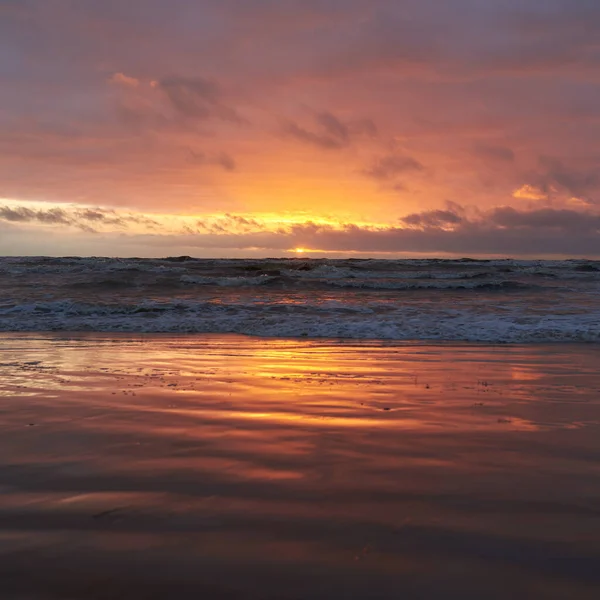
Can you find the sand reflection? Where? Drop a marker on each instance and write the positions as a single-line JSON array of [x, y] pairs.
[[212, 455]]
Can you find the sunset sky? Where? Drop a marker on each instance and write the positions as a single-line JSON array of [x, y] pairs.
[[340, 127]]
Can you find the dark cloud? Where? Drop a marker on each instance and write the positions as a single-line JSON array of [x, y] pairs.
[[229, 223], [19, 214], [93, 215], [198, 98], [111, 217], [23, 214], [578, 182], [141, 220], [569, 221], [388, 167], [53, 216], [330, 132], [333, 127], [79, 218], [99, 216], [456, 217], [433, 218], [496, 153], [316, 139], [222, 159], [226, 161]]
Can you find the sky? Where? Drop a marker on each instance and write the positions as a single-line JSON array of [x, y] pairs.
[[286, 127]]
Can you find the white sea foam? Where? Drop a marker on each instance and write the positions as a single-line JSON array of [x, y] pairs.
[[303, 320]]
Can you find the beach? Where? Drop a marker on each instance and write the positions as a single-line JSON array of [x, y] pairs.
[[228, 466], [299, 300]]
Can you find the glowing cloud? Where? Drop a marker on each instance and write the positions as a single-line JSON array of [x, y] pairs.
[[529, 192], [121, 79]]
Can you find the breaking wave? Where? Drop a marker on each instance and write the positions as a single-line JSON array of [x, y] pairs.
[[329, 320]]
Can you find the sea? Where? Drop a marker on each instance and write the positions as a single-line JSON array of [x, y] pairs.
[[496, 301]]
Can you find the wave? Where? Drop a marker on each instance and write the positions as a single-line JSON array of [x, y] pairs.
[[370, 283], [424, 299], [322, 320], [506, 285], [294, 268], [227, 281], [103, 284]]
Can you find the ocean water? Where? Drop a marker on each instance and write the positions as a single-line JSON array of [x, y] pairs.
[[496, 301]]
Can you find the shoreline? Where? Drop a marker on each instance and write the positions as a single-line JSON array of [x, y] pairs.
[[81, 334]]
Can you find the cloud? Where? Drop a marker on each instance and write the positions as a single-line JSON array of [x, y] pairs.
[[529, 192], [229, 224], [555, 179], [94, 215], [21, 214], [501, 231], [226, 161], [124, 80], [388, 167], [331, 132], [222, 159], [333, 127], [197, 98], [316, 139], [453, 230], [433, 218], [568, 221], [75, 217], [578, 182], [495, 153]]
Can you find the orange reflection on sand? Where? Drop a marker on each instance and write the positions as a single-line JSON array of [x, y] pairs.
[[282, 417], [207, 454]]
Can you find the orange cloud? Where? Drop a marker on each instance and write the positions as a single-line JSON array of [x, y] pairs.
[[529, 192]]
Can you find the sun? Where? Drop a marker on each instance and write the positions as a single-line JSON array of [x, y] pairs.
[[299, 250]]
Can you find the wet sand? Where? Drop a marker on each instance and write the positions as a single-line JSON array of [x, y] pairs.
[[231, 467]]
